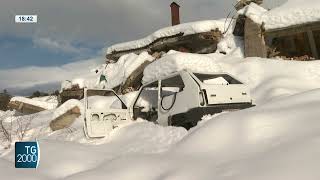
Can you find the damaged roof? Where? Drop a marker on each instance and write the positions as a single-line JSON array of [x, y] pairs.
[[291, 13], [184, 29]]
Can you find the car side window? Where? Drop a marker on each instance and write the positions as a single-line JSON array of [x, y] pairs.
[[169, 89], [171, 86], [146, 104], [148, 97]]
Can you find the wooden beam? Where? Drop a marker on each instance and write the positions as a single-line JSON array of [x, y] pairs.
[[312, 44], [24, 107], [291, 30], [254, 40]]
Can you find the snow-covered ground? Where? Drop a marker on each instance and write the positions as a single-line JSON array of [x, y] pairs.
[[277, 139], [48, 99]]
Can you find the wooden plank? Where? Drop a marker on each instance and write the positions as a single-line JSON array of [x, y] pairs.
[[24, 107], [291, 30], [312, 43]]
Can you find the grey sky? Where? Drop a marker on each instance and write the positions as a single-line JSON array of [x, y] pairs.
[[102, 21]]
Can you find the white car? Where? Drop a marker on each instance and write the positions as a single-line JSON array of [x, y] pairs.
[[180, 99]]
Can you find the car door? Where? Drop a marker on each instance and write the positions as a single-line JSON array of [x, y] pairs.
[[104, 112], [171, 98]]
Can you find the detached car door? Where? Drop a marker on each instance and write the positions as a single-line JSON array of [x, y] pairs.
[[104, 111]]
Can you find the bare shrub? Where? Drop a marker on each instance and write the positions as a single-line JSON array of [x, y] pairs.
[[14, 128], [23, 125], [6, 131]]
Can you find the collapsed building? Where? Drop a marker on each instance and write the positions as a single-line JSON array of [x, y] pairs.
[[198, 37], [287, 32], [290, 31], [194, 37]]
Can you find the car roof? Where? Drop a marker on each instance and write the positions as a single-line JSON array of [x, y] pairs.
[[190, 72]]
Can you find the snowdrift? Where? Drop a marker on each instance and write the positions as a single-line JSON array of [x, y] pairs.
[[118, 73], [264, 142], [176, 61]]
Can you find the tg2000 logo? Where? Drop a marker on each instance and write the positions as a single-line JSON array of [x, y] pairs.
[[27, 154]]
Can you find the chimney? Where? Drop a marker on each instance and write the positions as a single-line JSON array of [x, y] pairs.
[[175, 14]]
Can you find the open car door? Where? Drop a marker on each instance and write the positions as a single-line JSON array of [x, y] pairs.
[[104, 111]]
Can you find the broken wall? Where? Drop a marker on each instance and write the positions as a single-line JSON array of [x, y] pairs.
[[301, 42], [254, 40]]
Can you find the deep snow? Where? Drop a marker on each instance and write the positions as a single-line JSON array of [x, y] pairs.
[[118, 72], [277, 139]]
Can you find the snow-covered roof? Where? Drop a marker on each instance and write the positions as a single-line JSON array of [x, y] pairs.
[[186, 29], [293, 12], [254, 12]]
